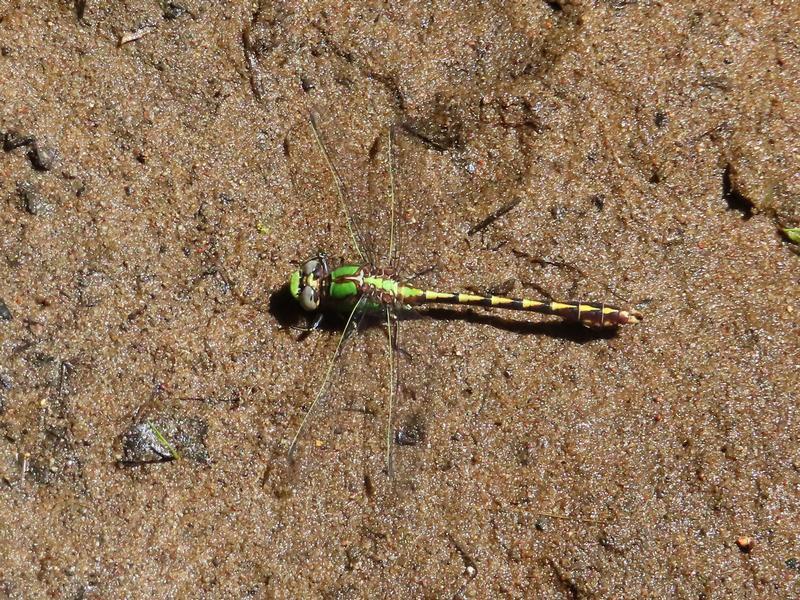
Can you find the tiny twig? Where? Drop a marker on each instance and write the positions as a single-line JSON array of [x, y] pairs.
[[494, 216]]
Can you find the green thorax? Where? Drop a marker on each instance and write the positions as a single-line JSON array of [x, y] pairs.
[[349, 282]]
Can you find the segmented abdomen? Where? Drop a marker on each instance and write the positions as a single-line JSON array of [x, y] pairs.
[[595, 316]]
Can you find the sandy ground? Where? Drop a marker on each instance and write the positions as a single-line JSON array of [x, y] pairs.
[[159, 181]]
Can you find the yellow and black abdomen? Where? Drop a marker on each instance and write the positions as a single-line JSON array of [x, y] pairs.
[[595, 316]]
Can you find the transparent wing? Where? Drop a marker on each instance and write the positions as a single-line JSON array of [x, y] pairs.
[[353, 223], [358, 171], [350, 170], [350, 329], [394, 252], [393, 333]]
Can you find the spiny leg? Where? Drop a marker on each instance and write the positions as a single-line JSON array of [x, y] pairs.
[[356, 236], [418, 274], [350, 327], [309, 328]]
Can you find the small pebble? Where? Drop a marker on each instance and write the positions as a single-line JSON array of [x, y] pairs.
[[42, 157], [13, 139], [599, 201], [149, 441], [5, 384], [409, 435], [5, 314], [173, 10], [745, 543], [30, 199], [542, 525]]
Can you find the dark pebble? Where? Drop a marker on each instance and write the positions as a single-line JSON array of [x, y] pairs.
[[42, 157], [173, 10], [141, 445], [599, 201], [410, 434], [13, 139], [30, 199], [656, 176], [558, 212], [5, 314], [39, 471], [5, 384], [186, 435]]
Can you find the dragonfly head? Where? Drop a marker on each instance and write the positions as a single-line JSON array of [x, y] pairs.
[[304, 284]]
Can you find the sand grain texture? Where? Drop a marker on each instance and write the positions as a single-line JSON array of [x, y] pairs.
[[158, 179]]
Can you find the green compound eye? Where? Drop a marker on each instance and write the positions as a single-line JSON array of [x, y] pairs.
[[294, 285]]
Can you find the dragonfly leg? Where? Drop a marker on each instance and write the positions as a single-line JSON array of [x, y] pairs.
[[398, 349], [420, 273], [314, 324]]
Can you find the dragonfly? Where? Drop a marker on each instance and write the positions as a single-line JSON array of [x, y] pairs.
[[372, 287]]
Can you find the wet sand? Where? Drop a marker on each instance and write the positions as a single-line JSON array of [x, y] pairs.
[[159, 181]]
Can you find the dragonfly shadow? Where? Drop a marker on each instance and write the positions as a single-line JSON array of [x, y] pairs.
[[289, 314], [573, 332], [284, 308]]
